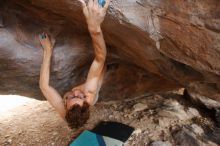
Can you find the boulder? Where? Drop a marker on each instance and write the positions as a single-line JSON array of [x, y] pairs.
[[203, 94], [153, 45], [193, 135], [159, 143]]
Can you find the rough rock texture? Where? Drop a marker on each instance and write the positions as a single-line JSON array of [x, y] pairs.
[[153, 45], [159, 143], [192, 135]]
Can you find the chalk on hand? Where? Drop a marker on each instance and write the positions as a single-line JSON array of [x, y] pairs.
[[101, 3]]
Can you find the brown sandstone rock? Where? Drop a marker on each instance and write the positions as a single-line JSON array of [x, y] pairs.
[[153, 45]]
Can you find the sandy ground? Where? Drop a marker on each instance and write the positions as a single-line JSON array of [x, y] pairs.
[[155, 118]]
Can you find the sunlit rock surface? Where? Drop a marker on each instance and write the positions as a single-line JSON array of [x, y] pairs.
[[153, 46]]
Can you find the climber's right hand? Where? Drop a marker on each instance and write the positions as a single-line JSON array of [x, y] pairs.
[[94, 14], [45, 42]]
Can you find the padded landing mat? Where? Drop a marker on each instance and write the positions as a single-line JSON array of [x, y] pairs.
[[114, 130], [88, 138]]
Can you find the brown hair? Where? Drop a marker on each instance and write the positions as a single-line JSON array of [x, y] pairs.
[[77, 115]]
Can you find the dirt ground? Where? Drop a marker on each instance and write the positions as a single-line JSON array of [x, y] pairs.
[[166, 119]]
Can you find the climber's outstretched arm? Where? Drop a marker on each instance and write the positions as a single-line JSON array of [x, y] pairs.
[[49, 92], [95, 14]]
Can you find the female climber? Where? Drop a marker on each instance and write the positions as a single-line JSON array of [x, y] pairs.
[[74, 107]]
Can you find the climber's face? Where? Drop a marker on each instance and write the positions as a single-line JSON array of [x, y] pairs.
[[74, 97]]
